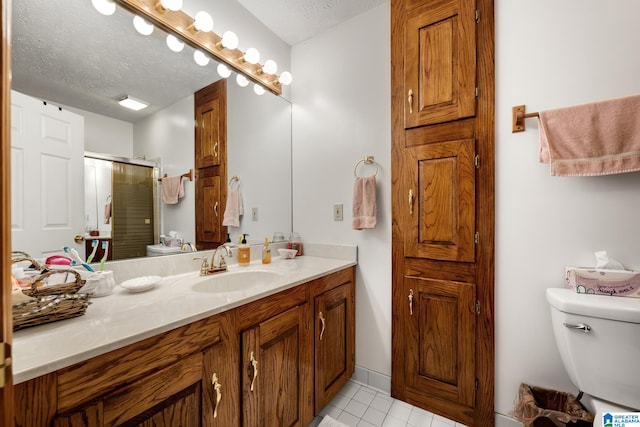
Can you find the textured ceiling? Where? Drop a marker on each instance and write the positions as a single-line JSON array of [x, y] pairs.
[[66, 52], [297, 20]]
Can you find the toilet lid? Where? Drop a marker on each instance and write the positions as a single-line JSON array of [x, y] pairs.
[[162, 249]]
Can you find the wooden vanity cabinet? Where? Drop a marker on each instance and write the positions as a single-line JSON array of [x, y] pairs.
[[256, 365]]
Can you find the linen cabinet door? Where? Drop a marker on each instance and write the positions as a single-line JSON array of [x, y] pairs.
[[208, 212], [334, 341], [440, 186], [273, 387], [439, 334], [211, 125], [440, 62]]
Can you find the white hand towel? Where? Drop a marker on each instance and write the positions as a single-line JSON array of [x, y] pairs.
[[364, 203], [234, 208]]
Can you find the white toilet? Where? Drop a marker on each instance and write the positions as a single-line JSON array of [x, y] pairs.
[[158, 250], [599, 341]]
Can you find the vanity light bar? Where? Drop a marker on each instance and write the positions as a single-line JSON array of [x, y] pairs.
[[179, 23]]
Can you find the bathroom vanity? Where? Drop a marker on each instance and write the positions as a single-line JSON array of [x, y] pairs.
[[196, 353]]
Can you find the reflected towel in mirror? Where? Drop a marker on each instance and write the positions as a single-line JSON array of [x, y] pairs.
[[234, 208], [172, 189]]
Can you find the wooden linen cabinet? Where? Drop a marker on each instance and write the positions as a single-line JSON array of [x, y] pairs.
[[442, 207]]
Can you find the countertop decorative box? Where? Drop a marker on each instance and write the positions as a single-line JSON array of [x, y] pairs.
[[619, 283]]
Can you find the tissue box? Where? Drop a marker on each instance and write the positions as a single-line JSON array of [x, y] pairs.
[[604, 282]]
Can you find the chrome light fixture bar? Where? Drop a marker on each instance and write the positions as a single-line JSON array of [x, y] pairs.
[[180, 25]]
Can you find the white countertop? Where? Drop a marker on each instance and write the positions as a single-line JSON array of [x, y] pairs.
[[123, 318]]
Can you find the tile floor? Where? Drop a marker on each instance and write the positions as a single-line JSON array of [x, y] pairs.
[[358, 405]]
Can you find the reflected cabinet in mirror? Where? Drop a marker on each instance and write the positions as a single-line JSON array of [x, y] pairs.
[[66, 80]]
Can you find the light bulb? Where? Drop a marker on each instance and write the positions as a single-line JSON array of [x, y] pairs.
[[229, 40], [173, 5], [285, 78], [200, 58], [203, 21], [259, 90], [174, 43], [142, 26], [270, 66], [242, 80], [252, 56], [105, 7], [223, 71]]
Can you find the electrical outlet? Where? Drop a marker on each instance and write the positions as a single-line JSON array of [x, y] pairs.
[[254, 214], [337, 212]]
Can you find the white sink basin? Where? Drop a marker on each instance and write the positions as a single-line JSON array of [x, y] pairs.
[[235, 281]]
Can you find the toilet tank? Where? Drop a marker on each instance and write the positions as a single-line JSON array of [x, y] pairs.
[[599, 341]]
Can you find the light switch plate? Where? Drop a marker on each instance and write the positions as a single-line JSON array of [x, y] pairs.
[[337, 212], [254, 214]]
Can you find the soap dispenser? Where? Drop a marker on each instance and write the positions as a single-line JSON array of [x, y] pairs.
[[266, 251], [244, 251]]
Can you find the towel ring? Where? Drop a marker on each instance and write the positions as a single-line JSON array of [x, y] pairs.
[[368, 160], [235, 178]]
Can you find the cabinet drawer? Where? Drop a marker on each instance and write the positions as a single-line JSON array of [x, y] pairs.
[[97, 376]]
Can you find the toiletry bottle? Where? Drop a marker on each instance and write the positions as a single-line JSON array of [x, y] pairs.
[[244, 251], [295, 242], [266, 252]]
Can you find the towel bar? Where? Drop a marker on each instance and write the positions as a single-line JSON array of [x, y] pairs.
[[184, 175], [517, 118]]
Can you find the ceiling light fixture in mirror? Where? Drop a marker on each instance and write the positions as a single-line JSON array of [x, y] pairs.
[[197, 33]]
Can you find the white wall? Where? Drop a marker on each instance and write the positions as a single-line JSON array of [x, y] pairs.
[[551, 54], [168, 134], [103, 134], [341, 102]]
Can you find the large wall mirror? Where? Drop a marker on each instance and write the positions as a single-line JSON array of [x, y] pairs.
[[68, 54]]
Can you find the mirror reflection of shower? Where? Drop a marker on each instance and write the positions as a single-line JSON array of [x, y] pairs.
[[121, 203]]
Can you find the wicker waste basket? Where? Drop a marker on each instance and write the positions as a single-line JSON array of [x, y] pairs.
[[539, 407]]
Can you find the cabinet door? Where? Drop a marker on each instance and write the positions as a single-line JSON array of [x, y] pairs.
[[334, 342], [439, 341], [440, 181], [440, 63], [208, 211], [220, 378], [210, 136], [273, 389]]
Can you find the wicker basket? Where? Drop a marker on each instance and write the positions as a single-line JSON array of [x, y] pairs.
[[50, 308], [51, 302]]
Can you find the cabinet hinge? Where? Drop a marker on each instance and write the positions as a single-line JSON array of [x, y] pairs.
[[476, 238], [309, 399], [477, 92], [477, 16], [477, 307], [477, 384], [195, 123], [476, 161], [5, 363]]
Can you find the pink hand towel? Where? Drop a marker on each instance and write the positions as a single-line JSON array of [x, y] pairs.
[[172, 189], [599, 138], [364, 203]]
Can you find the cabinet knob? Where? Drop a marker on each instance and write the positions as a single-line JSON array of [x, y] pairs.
[[322, 320], [410, 99], [411, 202], [254, 367], [217, 387], [411, 302]]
